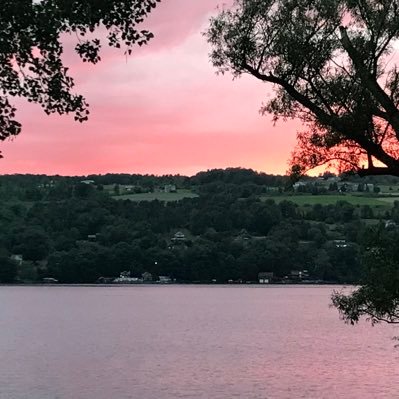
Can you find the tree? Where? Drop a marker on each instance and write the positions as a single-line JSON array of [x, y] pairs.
[[31, 49], [8, 270], [328, 64], [331, 64], [378, 297], [34, 244]]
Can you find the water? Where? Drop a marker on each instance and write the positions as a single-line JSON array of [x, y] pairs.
[[210, 342]]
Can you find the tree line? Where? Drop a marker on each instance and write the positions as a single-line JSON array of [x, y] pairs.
[[77, 233]]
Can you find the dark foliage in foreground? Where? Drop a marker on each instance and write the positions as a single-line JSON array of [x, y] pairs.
[[32, 38], [332, 64], [378, 297]]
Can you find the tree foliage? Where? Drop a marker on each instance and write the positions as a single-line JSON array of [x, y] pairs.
[[31, 48], [230, 232], [378, 297], [332, 65], [8, 270]]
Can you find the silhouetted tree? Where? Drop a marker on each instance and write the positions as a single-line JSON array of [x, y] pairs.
[[327, 61], [378, 297], [8, 270], [31, 49], [34, 244]]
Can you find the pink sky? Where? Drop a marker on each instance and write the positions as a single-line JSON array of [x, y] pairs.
[[162, 110]]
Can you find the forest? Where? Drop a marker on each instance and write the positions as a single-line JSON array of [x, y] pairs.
[[223, 226]]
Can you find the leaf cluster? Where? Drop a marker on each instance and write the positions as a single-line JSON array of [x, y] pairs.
[[31, 49], [378, 297], [331, 66]]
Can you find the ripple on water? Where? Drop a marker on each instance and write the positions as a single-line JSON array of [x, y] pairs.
[[188, 342]]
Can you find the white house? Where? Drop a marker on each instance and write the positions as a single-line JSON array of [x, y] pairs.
[[17, 258]]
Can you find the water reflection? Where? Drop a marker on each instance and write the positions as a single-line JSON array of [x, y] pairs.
[[188, 342]]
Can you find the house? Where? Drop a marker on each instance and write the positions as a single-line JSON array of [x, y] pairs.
[[244, 235], [17, 258], [169, 188], [50, 280], [87, 181], [146, 276], [298, 274], [340, 243], [124, 278], [128, 187], [165, 279], [265, 277], [179, 236]]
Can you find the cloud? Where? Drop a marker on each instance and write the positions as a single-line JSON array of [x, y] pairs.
[[163, 110]]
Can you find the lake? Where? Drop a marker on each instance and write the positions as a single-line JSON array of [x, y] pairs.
[[210, 342]]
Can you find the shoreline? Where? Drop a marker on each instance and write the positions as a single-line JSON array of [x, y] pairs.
[[257, 285]]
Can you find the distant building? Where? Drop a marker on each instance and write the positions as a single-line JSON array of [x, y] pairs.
[[169, 188], [179, 236], [165, 279], [128, 187], [244, 235], [298, 274], [17, 258], [146, 276], [50, 280], [87, 181], [124, 278], [340, 243], [45, 185], [265, 277]]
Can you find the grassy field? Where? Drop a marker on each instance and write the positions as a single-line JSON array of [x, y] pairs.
[[389, 189], [179, 195], [331, 199], [389, 200]]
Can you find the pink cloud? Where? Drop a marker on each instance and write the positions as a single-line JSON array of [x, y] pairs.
[[163, 110]]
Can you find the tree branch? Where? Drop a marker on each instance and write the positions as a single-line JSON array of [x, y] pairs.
[[378, 171], [332, 121], [370, 81]]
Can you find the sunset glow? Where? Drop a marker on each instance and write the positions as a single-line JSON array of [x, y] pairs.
[[163, 110]]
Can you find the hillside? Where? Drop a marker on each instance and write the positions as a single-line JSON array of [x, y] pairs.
[[217, 226]]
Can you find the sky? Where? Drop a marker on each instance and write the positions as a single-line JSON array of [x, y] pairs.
[[163, 110]]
